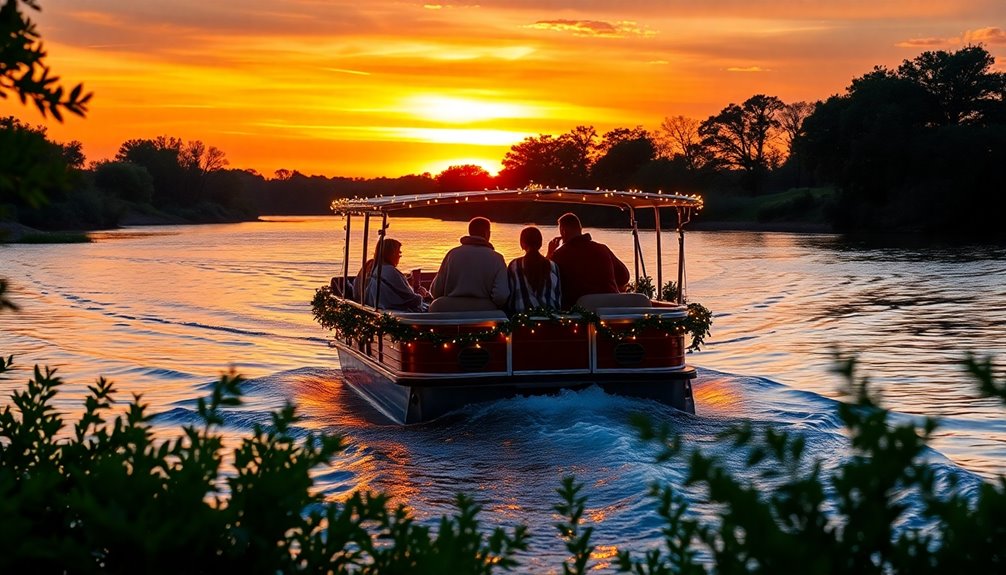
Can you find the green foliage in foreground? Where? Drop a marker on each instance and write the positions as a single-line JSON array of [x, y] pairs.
[[110, 499], [105, 497]]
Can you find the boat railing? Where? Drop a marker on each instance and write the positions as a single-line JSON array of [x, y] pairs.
[[461, 344]]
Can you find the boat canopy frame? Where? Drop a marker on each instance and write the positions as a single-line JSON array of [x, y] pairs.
[[630, 201]]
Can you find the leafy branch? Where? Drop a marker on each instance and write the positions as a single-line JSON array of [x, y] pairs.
[[22, 65]]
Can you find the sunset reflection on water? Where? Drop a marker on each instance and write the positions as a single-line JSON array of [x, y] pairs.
[[164, 313]]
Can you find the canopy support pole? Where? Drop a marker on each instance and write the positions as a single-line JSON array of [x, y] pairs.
[[684, 217], [379, 257], [362, 290], [660, 258], [635, 242], [345, 257]]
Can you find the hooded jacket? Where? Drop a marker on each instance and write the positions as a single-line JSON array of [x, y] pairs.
[[473, 269]]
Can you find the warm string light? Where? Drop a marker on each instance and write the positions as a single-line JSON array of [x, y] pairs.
[[363, 326]]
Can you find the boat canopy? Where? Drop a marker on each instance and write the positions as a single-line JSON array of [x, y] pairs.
[[627, 199]]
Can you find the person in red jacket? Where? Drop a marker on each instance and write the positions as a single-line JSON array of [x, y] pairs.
[[585, 266]]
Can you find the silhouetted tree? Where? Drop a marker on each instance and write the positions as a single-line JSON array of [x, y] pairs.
[[679, 136], [962, 84], [542, 160], [180, 170], [464, 177], [161, 157], [623, 152], [124, 180], [32, 167], [791, 118], [740, 136], [199, 161], [579, 149], [921, 147]]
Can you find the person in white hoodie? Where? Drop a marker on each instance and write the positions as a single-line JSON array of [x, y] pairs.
[[474, 269]]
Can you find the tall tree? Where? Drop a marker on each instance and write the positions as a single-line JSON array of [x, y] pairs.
[[791, 118], [463, 177], [199, 161], [741, 135], [623, 152], [909, 148], [32, 168], [578, 149], [963, 85], [679, 138], [162, 157]]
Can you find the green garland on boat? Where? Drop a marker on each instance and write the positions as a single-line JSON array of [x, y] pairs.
[[363, 325]]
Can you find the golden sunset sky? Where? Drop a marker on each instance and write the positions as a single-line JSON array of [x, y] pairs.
[[386, 88]]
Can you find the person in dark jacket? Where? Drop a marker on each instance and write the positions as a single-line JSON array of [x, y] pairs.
[[585, 266]]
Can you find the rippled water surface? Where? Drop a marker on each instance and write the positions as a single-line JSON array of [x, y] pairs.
[[162, 311]]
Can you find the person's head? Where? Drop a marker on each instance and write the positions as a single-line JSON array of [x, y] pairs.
[[569, 226], [391, 251], [530, 239], [479, 227]]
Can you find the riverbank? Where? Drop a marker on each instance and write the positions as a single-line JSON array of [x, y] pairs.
[[786, 227], [15, 233]]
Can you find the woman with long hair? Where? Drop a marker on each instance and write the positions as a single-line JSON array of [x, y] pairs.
[[534, 279], [396, 293]]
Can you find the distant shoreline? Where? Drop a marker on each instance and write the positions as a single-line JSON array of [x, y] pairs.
[[786, 227]]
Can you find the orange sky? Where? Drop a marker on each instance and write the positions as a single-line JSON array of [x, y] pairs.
[[374, 87]]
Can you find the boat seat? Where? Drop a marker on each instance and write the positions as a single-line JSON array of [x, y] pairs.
[[592, 302], [336, 288], [447, 303], [445, 316]]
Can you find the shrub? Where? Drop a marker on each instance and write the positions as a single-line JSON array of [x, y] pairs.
[[109, 499]]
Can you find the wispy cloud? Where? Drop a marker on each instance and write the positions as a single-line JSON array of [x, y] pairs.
[[345, 71], [593, 28], [926, 42], [748, 69], [991, 35]]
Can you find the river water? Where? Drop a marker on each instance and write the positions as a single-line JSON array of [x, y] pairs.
[[163, 311]]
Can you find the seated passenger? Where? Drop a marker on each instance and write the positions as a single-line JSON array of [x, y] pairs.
[[360, 282], [473, 269], [534, 280], [585, 266], [396, 293]]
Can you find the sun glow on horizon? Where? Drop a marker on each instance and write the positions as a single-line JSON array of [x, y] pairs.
[[384, 88], [457, 110]]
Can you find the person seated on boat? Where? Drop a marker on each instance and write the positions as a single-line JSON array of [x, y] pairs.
[[474, 269], [360, 281], [533, 278], [396, 293], [585, 266]]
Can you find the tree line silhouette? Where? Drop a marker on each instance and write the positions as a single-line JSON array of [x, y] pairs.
[[916, 148]]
